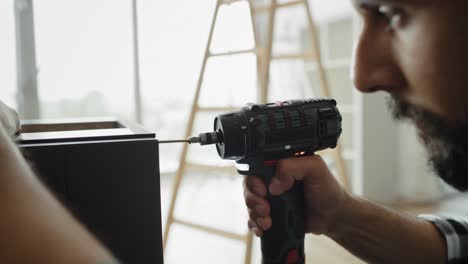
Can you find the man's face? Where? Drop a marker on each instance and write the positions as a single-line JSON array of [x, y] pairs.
[[417, 50]]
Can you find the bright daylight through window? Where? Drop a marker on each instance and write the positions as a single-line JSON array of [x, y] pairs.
[[7, 54]]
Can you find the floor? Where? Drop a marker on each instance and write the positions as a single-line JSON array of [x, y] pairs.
[[215, 199]]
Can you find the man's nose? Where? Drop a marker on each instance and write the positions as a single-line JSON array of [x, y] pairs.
[[375, 64]]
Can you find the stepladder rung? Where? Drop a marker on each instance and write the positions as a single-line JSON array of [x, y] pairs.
[[211, 230], [232, 53], [268, 8], [228, 2], [299, 56], [217, 109]]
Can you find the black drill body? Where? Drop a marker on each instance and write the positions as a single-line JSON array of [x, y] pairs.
[[256, 137]]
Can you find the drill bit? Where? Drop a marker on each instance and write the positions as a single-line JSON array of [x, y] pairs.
[[189, 140], [203, 139]]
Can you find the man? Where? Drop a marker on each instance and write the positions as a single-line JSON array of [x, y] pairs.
[[417, 51], [34, 227]]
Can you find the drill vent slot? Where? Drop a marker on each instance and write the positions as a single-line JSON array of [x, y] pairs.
[[279, 120], [295, 119], [310, 116], [323, 129]]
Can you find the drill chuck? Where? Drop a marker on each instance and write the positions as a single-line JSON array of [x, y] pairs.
[[203, 139], [210, 138]]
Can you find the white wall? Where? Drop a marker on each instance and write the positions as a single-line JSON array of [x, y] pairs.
[[329, 9], [376, 137]]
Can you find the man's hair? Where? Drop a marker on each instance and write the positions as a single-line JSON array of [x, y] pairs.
[[447, 144]]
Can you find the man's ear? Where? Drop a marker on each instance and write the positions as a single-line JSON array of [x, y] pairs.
[[9, 119]]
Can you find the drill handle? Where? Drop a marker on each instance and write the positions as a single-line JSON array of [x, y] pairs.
[[284, 241]]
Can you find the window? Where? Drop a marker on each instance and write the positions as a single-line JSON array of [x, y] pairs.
[[84, 57], [7, 54]]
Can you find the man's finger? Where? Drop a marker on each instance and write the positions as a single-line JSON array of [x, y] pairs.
[[255, 185], [255, 202], [290, 170], [254, 228], [259, 211], [282, 181], [264, 222], [252, 214]]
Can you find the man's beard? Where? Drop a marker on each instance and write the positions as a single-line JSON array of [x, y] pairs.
[[447, 145]]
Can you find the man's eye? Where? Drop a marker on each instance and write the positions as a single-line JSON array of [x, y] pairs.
[[392, 14]]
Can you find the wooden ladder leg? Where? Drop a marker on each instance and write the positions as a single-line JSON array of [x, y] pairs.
[[248, 248], [258, 49], [337, 152], [188, 132], [264, 56], [249, 235], [267, 56]]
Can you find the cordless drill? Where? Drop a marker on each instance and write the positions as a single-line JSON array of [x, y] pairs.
[[257, 137]]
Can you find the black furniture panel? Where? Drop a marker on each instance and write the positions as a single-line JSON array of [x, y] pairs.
[[110, 183]]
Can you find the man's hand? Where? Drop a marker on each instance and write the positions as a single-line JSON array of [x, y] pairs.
[[324, 197], [369, 231], [9, 119]]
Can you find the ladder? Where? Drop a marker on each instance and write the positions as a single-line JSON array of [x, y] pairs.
[[264, 57]]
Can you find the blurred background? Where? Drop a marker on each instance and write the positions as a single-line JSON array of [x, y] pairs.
[[140, 61]]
